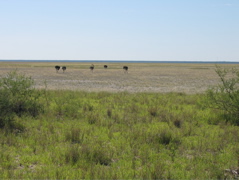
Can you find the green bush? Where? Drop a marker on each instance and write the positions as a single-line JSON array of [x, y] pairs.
[[225, 96], [18, 97]]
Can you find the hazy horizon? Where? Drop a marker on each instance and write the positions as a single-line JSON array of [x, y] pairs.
[[119, 30]]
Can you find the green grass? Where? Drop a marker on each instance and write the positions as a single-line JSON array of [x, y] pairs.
[[83, 135]]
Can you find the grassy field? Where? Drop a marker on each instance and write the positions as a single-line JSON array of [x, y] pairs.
[[165, 130]]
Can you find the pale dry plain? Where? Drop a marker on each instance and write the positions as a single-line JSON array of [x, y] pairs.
[[141, 77]]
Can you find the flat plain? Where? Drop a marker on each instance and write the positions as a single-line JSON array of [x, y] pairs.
[[88, 134], [188, 78]]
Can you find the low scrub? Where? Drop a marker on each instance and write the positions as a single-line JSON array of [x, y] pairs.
[[18, 97]]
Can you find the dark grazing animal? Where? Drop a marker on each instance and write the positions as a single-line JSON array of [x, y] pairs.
[[63, 68], [125, 68], [105, 66], [92, 67], [57, 68]]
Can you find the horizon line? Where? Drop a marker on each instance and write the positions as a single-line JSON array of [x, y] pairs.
[[115, 60], [129, 61]]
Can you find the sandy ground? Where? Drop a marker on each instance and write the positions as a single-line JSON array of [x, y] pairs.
[[141, 77]]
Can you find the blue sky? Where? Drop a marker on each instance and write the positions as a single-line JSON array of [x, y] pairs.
[[184, 30]]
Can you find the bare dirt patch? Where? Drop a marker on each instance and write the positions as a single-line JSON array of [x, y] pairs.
[[141, 77]]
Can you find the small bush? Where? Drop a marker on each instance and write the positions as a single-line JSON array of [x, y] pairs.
[[17, 97], [225, 96]]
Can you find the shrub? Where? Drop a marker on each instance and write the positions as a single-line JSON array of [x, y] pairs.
[[17, 97], [225, 96]]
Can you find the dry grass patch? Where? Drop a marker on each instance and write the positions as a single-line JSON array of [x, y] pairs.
[[141, 77]]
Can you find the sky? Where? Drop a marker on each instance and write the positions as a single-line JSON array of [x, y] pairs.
[[161, 30]]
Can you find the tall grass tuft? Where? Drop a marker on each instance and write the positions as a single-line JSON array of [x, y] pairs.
[[177, 123], [153, 111], [165, 137], [75, 135], [109, 113], [96, 155], [72, 154]]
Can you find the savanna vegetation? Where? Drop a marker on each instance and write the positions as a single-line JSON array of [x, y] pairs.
[[63, 134]]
